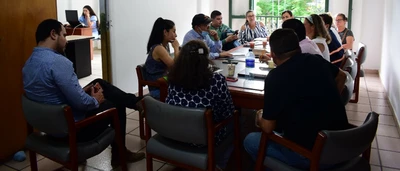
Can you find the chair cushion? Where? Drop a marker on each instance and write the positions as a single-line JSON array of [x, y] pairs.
[[357, 163], [59, 150], [184, 153]]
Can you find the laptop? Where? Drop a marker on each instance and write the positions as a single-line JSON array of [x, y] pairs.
[[72, 18]]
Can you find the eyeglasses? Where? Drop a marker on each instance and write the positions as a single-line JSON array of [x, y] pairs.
[[338, 20]]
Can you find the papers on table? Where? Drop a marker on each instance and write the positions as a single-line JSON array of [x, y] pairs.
[[260, 39]]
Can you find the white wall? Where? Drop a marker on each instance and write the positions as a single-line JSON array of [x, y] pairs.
[[132, 22], [63, 5], [389, 68]]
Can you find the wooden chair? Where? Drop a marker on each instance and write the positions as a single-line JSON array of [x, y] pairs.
[[142, 82], [361, 56], [340, 80], [348, 89], [341, 149], [163, 83], [58, 120], [177, 126]]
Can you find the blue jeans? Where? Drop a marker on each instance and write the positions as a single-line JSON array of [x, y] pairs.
[[252, 142], [155, 94]]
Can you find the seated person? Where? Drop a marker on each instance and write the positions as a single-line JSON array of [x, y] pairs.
[[90, 19], [336, 51], [192, 84], [306, 45], [315, 30], [48, 77], [200, 31], [346, 35], [252, 29], [286, 15], [158, 58], [228, 41], [297, 112]]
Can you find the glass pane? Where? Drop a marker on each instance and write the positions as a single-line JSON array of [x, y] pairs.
[[237, 23], [299, 8], [240, 7]]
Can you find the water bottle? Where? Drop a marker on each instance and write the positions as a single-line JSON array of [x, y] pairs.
[[250, 64]]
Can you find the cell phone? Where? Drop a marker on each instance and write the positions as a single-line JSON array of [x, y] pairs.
[[231, 79], [236, 32]]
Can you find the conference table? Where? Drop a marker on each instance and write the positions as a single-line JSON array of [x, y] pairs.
[[247, 94]]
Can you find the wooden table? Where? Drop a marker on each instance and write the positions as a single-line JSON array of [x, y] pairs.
[[82, 32]]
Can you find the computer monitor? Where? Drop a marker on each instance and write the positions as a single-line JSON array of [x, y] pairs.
[[72, 17]]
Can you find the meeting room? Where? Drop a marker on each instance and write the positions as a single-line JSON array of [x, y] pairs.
[[182, 85]]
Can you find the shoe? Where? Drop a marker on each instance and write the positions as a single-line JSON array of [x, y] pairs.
[[131, 157]]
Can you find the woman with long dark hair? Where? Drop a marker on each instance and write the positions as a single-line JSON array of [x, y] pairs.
[[158, 58], [90, 19], [316, 31]]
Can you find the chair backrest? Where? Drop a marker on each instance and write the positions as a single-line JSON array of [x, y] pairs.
[[348, 89], [175, 122], [44, 117], [361, 53], [142, 80], [351, 67], [345, 145], [163, 83]]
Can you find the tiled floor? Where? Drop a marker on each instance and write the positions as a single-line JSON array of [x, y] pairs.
[[385, 154]]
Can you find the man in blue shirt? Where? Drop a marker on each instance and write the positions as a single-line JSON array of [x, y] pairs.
[[48, 77], [200, 31]]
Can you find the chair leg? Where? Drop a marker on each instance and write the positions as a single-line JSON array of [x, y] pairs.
[[33, 160], [122, 154], [141, 126], [237, 141], [149, 162], [74, 165]]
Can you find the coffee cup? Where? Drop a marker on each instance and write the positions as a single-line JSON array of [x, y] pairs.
[[271, 64], [231, 70], [252, 45]]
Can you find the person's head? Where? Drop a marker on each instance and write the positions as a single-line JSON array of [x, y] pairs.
[[87, 9], [191, 68], [297, 27], [200, 22], [287, 15], [315, 27], [250, 17], [284, 44], [163, 31], [51, 33], [341, 20], [327, 20], [216, 17]]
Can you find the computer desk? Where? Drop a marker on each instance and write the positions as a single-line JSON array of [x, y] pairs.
[[85, 31], [77, 51]]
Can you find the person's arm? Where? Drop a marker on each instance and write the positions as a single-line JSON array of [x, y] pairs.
[[66, 79], [161, 53], [215, 47], [243, 34], [82, 19], [176, 47], [349, 42]]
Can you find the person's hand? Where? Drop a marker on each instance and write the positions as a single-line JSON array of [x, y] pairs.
[[214, 34], [97, 93], [87, 88], [225, 54], [87, 15], [265, 57], [175, 44], [258, 117], [231, 38]]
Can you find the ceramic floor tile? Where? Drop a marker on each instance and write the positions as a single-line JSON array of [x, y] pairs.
[[134, 115], [141, 165], [379, 102], [23, 164], [358, 107], [376, 89], [81, 168], [129, 111], [389, 169], [390, 159], [134, 143], [102, 161], [136, 132], [388, 143], [375, 157], [356, 123], [45, 165], [389, 131], [168, 167], [363, 94], [386, 120], [363, 100], [374, 143], [6, 168], [377, 95], [131, 125], [356, 116], [375, 168], [383, 110]]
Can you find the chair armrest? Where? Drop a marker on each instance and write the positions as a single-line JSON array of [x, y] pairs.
[[340, 80], [163, 84], [109, 113], [225, 121]]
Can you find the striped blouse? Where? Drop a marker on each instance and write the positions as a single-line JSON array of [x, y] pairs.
[[248, 34]]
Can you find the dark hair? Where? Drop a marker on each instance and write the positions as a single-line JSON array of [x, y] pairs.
[[283, 42], [249, 11], [343, 16], [215, 13], [191, 68], [297, 27], [327, 19], [320, 29], [157, 33], [289, 12], [91, 12], [45, 27]]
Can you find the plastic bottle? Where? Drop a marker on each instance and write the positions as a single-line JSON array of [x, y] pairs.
[[250, 64]]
